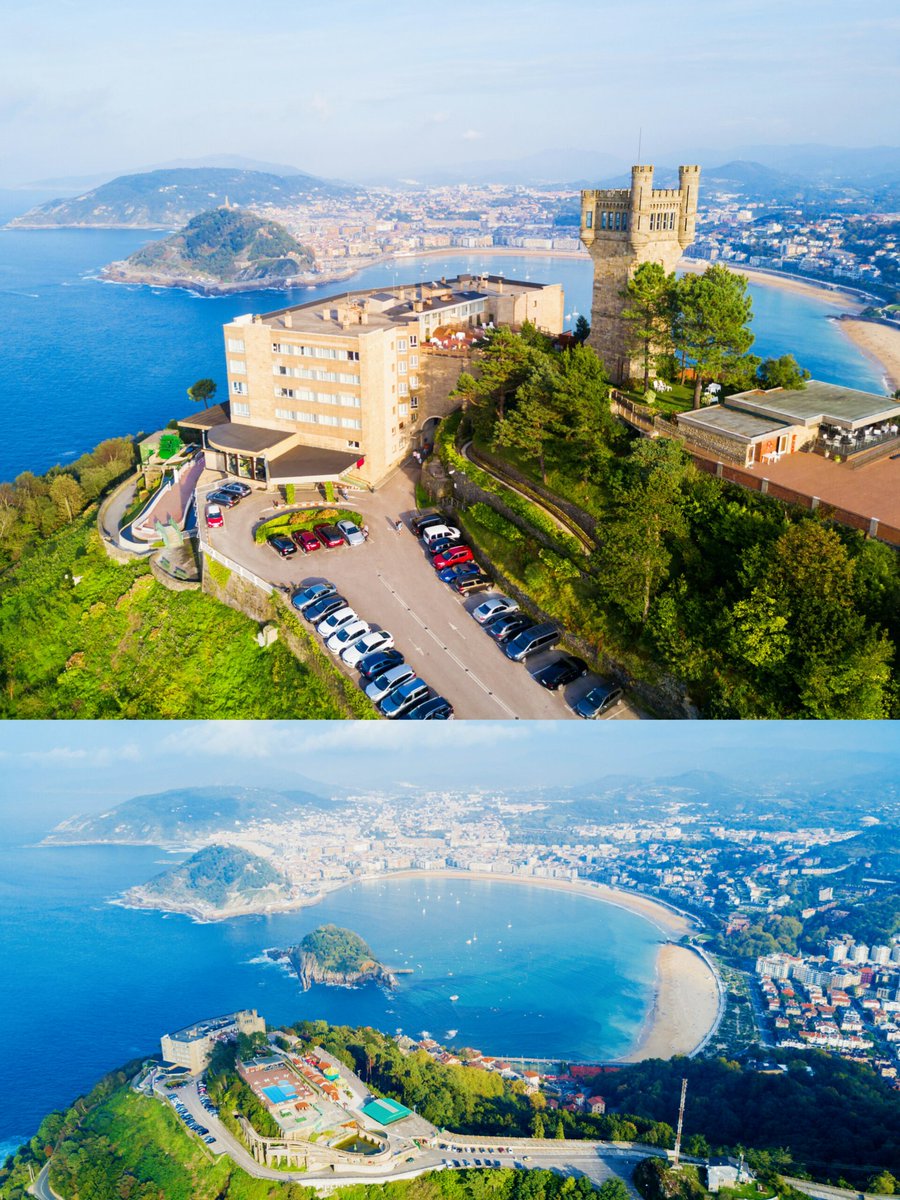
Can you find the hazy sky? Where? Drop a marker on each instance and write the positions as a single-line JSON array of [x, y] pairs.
[[359, 86], [50, 770]]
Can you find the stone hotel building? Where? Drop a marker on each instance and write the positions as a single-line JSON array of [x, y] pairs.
[[341, 388]]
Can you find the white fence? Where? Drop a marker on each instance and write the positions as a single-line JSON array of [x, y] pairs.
[[234, 567]]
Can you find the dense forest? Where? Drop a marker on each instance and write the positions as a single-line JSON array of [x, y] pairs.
[[337, 949], [761, 609]]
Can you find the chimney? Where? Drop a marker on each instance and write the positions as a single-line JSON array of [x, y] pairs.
[[288, 320]]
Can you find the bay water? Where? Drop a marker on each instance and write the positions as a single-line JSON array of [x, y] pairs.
[[83, 360], [86, 985]]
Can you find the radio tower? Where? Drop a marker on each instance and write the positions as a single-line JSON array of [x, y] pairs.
[[680, 1124]]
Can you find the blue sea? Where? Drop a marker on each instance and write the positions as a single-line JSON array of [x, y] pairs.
[[86, 985], [83, 360]]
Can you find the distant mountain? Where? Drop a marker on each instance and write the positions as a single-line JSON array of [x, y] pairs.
[[552, 166], [70, 185], [225, 249], [217, 882], [168, 199], [182, 816], [831, 164]]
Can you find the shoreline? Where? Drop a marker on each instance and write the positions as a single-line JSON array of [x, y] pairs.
[[879, 342], [685, 1008]]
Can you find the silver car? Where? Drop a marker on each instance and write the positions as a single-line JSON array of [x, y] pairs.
[[377, 639], [351, 533], [347, 636], [494, 606], [388, 680]]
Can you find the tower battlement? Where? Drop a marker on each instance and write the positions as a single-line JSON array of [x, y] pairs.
[[623, 228]]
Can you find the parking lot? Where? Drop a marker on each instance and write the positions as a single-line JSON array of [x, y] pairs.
[[391, 583]]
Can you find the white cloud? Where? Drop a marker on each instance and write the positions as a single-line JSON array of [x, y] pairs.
[[472, 135], [78, 756], [321, 106]]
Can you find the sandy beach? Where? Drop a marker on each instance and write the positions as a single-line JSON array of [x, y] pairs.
[[841, 298], [881, 343], [685, 1008]]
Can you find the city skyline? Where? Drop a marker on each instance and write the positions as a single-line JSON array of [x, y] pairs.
[[54, 771], [406, 91]]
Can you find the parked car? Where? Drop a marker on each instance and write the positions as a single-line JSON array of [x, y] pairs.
[[306, 540], [561, 671], [328, 535], [420, 524], [282, 545], [347, 635], [460, 571], [214, 518], [435, 708], [309, 595], [336, 620], [529, 641], [597, 701], [375, 639], [443, 544], [371, 665], [236, 486], [399, 699], [324, 607], [388, 680], [452, 557], [432, 532], [494, 607], [226, 499], [507, 627], [351, 533], [472, 583]]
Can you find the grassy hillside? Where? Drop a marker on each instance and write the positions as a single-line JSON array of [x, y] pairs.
[[337, 949], [81, 636], [223, 245]]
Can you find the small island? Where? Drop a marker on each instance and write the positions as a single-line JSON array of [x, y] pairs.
[[215, 883], [219, 251], [336, 957]]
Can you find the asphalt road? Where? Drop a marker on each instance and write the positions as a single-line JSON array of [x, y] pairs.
[[391, 584]]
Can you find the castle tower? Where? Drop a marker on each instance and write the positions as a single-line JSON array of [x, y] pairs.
[[623, 228]]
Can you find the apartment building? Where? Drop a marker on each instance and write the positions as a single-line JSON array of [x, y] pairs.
[[342, 387], [193, 1046]]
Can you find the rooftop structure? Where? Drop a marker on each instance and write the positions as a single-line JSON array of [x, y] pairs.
[[760, 426], [347, 384], [385, 1111], [623, 228], [192, 1046]]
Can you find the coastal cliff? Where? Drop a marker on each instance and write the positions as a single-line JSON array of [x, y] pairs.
[[335, 957]]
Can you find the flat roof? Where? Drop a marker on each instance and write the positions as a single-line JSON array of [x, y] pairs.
[[393, 306], [385, 1111], [209, 418], [246, 439], [313, 464], [817, 402], [734, 422], [202, 1029]]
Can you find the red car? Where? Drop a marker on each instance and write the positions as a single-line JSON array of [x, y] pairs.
[[452, 557], [214, 518], [328, 535], [306, 541]]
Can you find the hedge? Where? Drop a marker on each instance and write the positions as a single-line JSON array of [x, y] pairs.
[[304, 518]]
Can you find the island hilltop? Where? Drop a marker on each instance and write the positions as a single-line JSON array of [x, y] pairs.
[[222, 250], [336, 957], [215, 883]]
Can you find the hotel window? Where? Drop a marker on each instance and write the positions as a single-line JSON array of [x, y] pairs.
[[402, 388], [353, 445], [401, 367], [239, 410], [287, 414], [401, 345], [414, 360], [238, 388], [350, 423], [413, 340], [236, 345], [286, 393], [237, 366], [414, 402], [347, 401], [413, 381], [403, 410], [325, 419]]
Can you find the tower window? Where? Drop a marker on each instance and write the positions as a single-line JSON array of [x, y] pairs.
[[588, 219], [624, 220], [603, 220]]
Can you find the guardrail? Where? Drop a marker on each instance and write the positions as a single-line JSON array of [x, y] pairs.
[[234, 567]]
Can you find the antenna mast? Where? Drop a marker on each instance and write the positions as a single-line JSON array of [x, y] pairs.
[[680, 1123], [640, 138]]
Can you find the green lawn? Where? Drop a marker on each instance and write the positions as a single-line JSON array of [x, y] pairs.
[[680, 399], [82, 636]]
